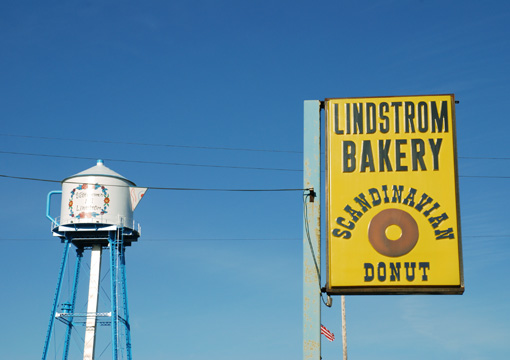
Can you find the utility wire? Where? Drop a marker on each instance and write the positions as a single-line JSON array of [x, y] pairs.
[[154, 144], [210, 189], [306, 197], [157, 188], [204, 165], [202, 147], [151, 162], [172, 239], [238, 239], [485, 176], [483, 158], [27, 178]]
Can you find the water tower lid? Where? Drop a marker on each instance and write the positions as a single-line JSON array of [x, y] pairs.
[[100, 170]]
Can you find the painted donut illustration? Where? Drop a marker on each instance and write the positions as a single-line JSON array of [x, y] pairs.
[[378, 230]]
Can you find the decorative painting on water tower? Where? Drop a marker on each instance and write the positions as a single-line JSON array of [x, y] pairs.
[[392, 196], [88, 201], [99, 195]]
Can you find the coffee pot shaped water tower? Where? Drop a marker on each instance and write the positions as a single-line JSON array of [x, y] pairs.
[[96, 196], [96, 212]]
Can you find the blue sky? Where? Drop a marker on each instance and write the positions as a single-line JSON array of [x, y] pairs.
[[218, 275]]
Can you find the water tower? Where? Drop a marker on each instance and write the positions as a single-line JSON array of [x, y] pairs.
[[96, 213]]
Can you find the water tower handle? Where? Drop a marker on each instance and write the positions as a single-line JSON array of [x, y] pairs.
[[48, 206]]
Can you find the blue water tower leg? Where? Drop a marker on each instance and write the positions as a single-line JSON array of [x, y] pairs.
[[113, 288], [56, 298], [125, 298], [79, 256]]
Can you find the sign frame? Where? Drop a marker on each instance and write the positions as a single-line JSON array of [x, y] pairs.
[[391, 288]]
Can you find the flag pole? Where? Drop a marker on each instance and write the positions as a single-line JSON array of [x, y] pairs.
[[344, 329]]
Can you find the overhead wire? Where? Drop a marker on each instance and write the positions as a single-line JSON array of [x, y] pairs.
[[202, 165], [485, 176], [200, 146], [154, 144], [309, 239], [158, 187], [503, 236], [217, 166], [173, 239], [212, 189], [150, 162]]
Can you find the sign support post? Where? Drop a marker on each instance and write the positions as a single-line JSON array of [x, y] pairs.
[[311, 232]]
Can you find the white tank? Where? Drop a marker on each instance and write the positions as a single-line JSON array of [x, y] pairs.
[[97, 196]]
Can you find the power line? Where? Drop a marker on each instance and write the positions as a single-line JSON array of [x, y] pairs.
[[205, 165], [227, 239], [485, 176], [199, 147], [172, 239], [158, 188], [487, 236], [153, 144], [483, 158], [28, 178], [151, 162], [212, 189]]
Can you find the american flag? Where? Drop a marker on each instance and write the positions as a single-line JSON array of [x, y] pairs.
[[328, 334]]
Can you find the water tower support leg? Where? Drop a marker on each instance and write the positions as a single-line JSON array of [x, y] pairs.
[[94, 283], [125, 298], [113, 283], [79, 256], [56, 298]]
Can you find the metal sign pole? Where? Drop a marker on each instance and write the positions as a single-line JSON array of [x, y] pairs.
[[344, 330], [311, 232]]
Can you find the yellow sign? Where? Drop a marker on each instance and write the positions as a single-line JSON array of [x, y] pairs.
[[392, 196]]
